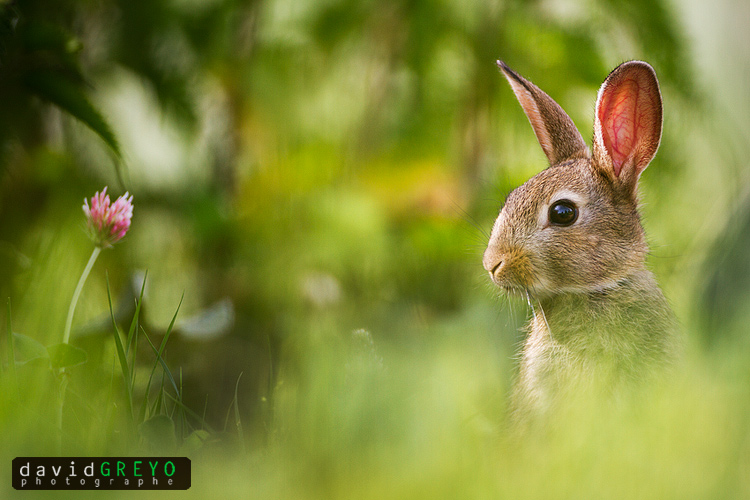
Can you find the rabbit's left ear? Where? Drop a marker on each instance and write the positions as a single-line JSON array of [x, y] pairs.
[[628, 122]]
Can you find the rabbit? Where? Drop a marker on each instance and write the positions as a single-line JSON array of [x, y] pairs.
[[571, 241]]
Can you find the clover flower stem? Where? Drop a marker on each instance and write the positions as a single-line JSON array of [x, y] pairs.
[[77, 293], [66, 339]]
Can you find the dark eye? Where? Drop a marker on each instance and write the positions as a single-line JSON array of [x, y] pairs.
[[563, 213]]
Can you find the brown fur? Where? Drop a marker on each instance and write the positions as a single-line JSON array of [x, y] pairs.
[[599, 316]]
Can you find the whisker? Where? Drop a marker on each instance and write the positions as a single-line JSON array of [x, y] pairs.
[[528, 301], [541, 309], [467, 217]]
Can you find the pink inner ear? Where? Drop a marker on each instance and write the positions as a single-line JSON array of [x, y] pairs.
[[622, 121]]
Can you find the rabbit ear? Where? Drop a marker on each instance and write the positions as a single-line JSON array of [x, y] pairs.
[[628, 121], [555, 131]]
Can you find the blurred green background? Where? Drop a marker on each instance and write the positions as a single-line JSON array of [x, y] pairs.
[[318, 178]]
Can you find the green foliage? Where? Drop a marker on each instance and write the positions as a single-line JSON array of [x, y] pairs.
[[127, 377], [159, 432], [65, 356], [41, 60], [69, 96], [160, 425], [27, 349]]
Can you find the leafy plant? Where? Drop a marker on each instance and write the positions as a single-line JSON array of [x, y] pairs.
[[40, 59]]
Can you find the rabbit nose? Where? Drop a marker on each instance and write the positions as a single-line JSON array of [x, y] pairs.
[[493, 261], [492, 273], [495, 268]]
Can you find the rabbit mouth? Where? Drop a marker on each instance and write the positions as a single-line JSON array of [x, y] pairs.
[[512, 273]]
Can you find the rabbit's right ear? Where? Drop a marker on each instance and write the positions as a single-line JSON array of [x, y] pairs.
[[555, 131]]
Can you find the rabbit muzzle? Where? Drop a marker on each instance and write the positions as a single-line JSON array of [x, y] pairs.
[[509, 268]]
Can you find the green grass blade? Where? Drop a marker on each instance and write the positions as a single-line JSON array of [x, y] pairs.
[[205, 409], [237, 419], [171, 325], [163, 344], [132, 340], [158, 360], [136, 315], [109, 405], [190, 413], [156, 408], [11, 349], [181, 410], [12, 358], [163, 363], [121, 353], [147, 392]]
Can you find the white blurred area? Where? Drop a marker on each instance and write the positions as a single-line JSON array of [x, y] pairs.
[[719, 42], [159, 152]]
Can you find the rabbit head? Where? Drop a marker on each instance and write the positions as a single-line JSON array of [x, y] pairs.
[[574, 227]]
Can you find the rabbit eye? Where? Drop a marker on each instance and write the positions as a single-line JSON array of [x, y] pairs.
[[563, 213]]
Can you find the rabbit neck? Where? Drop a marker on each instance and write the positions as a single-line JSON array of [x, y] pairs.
[[627, 326], [603, 337], [624, 317]]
